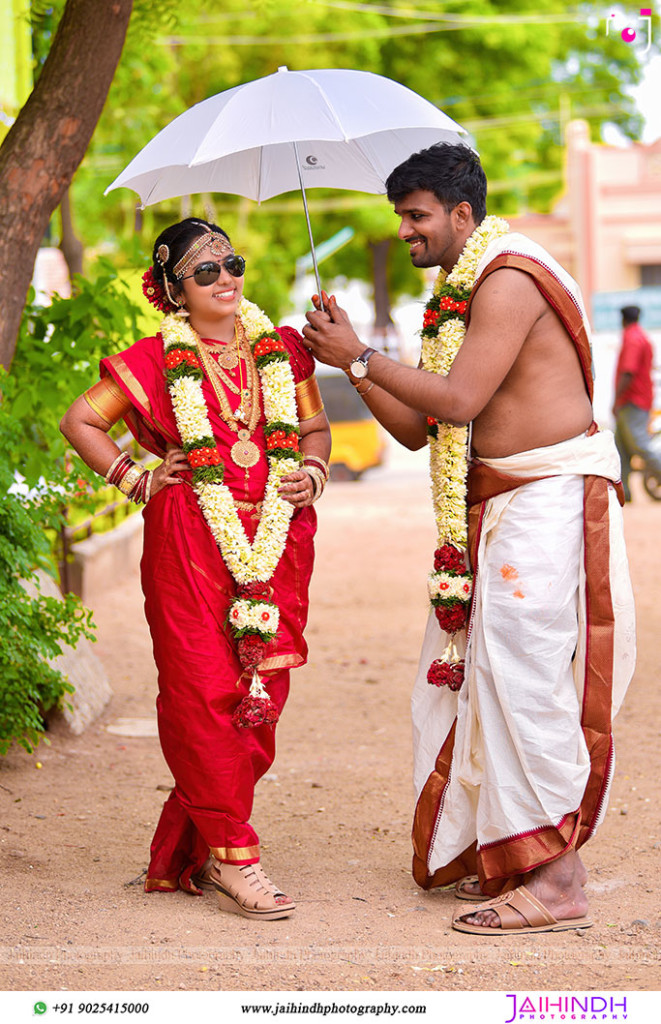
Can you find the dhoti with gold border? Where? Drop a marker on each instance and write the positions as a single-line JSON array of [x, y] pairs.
[[514, 770]]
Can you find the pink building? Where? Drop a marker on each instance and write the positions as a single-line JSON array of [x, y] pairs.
[[606, 226]]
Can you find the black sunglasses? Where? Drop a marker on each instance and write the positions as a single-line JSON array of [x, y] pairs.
[[208, 273]]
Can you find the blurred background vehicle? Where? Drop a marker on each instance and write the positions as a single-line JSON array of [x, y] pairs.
[[358, 440]]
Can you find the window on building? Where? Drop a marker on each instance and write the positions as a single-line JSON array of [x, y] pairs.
[[650, 275]]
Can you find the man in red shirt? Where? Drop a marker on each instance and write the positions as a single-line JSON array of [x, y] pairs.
[[633, 397]]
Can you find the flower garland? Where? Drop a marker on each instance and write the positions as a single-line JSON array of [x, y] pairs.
[[450, 585], [253, 618]]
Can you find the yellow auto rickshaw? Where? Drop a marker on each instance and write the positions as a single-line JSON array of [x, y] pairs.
[[358, 442]]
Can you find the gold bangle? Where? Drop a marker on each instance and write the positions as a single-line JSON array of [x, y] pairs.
[[366, 391], [111, 468], [130, 479]]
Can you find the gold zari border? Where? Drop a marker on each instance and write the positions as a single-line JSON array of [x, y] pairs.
[[235, 852], [154, 884]]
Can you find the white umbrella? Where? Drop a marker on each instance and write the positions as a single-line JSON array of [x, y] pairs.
[[294, 129]]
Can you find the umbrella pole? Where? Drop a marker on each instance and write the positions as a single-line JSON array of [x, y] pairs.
[[307, 217]]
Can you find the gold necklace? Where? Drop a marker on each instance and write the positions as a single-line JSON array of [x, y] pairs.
[[225, 354], [244, 452]]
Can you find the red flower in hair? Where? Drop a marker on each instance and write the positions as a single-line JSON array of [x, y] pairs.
[[154, 292]]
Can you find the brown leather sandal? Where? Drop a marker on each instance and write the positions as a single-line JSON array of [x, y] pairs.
[[248, 891], [535, 917]]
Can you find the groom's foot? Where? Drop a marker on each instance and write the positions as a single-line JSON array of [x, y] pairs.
[[557, 885], [472, 888]]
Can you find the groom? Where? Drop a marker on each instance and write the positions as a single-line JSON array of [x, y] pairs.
[[512, 765]]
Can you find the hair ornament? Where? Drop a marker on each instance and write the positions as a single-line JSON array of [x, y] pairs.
[[212, 240], [154, 292]]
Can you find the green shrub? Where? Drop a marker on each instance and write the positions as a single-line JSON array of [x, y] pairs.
[[32, 629]]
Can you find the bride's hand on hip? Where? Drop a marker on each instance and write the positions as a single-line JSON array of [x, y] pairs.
[[297, 488], [174, 462]]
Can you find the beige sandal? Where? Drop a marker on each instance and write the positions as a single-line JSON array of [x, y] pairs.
[[203, 878], [248, 891]]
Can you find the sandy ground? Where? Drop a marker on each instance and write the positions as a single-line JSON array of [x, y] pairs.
[[334, 814]]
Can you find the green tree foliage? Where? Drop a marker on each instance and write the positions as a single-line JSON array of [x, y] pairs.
[[33, 629], [57, 358], [511, 72]]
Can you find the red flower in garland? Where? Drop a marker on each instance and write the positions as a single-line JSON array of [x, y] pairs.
[[442, 674], [257, 591], [175, 356], [154, 292], [449, 559], [252, 649], [450, 305], [452, 617], [267, 345], [204, 457], [253, 711]]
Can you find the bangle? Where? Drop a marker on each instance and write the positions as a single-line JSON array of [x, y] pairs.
[[315, 460], [119, 468], [142, 490], [131, 479], [367, 389], [318, 481]]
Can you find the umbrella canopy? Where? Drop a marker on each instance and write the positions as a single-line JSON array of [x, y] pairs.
[[330, 128]]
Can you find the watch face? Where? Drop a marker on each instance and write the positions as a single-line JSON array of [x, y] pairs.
[[358, 368]]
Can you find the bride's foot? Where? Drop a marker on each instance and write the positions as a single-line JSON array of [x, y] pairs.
[[248, 891]]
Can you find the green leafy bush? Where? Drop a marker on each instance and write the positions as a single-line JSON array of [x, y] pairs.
[[32, 629], [57, 358]]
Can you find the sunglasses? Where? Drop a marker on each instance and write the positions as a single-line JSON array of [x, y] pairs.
[[208, 273]]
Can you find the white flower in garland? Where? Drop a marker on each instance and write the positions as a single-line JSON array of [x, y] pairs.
[[443, 332], [253, 617]]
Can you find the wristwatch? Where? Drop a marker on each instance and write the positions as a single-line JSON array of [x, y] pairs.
[[358, 367]]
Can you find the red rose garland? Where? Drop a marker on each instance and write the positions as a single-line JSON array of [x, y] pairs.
[[450, 587]]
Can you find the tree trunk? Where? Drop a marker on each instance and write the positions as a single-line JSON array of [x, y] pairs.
[[382, 305], [70, 245], [48, 140]]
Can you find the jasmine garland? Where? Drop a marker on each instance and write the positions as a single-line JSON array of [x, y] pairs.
[[443, 331]]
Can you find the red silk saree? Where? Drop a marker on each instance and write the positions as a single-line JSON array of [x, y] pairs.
[[188, 590]]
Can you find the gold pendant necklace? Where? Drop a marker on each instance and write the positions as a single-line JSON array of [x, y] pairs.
[[226, 356], [244, 452]]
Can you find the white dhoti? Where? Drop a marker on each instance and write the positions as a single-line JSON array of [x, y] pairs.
[[514, 769]]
